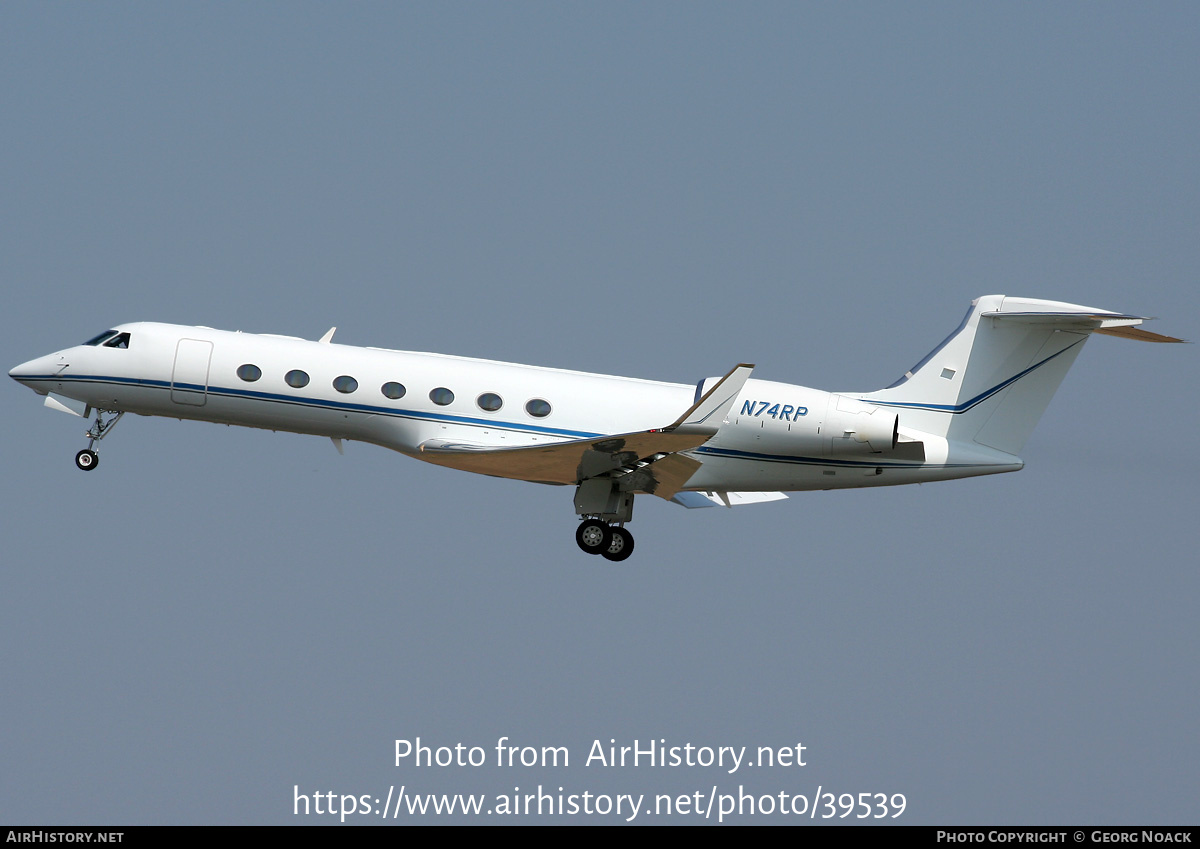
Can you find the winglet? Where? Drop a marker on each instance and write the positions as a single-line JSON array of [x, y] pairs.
[[328, 337], [707, 414]]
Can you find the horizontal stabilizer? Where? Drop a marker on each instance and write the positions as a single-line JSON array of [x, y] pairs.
[[1099, 321], [694, 500], [1137, 333]]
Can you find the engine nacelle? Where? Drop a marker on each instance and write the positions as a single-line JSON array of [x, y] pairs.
[[854, 427]]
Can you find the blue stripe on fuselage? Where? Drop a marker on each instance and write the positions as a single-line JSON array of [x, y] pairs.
[[318, 403]]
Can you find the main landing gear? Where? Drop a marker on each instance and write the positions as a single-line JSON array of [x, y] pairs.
[[88, 459], [605, 509], [609, 541]]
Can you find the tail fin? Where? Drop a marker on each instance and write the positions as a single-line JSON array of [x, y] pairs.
[[990, 381]]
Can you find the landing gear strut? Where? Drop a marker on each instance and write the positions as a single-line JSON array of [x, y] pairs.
[[88, 459]]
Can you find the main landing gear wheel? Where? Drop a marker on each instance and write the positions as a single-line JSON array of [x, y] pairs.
[[87, 459], [594, 537], [621, 546]]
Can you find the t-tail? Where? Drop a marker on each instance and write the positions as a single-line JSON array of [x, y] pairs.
[[990, 381]]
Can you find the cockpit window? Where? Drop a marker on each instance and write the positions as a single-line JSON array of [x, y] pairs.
[[110, 339], [96, 340]]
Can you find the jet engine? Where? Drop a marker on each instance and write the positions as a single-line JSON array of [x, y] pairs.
[[855, 427]]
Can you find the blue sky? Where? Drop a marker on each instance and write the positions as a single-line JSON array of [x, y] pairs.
[[659, 190]]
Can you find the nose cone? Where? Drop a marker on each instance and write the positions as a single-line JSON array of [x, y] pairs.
[[26, 373]]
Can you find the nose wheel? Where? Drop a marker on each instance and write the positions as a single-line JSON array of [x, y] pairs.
[[88, 459], [610, 542]]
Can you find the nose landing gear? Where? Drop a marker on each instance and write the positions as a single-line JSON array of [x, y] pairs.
[[88, 459]]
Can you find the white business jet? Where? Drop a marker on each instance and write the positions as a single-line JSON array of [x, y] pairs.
[[966, 409]]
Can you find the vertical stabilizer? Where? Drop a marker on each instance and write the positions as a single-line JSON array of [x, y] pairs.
[[990, 381]]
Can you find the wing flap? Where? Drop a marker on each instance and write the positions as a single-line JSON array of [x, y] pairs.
[[663, 477]]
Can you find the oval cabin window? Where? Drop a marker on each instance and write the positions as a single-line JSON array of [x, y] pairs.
[[490, 401], [296, 379]]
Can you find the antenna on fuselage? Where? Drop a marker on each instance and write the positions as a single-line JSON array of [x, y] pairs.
[[324, 340]]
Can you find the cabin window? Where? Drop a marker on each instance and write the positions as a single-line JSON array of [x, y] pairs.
[[393, 390], [489, 401], [441, 396], [296, 379], [96, 340], [538, 408], [249, 373], [345, 384]]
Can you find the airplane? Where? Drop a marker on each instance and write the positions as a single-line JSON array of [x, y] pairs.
[[965, 409]]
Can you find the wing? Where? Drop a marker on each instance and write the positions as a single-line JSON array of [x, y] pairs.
[[652, 455]]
